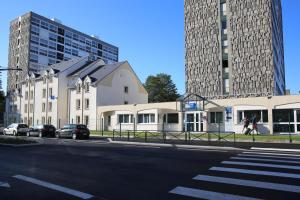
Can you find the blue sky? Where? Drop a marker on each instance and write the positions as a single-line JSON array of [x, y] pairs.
[[149, 33]]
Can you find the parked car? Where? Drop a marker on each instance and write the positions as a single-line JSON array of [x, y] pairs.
[[16, 129], [42, 130], [75, 131]]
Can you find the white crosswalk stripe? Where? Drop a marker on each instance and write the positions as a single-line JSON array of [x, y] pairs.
[[269, 158], [276, 149], [209, 195], [249, 183], [265, 160], [256, 172]]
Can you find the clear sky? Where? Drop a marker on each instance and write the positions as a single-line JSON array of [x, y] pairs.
[[149, 33]]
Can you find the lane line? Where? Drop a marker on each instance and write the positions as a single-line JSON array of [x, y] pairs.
[[201, 150], [266, 156], [276, 149], [69, 191], [256, 172], [249, 183], [267, 160], [261, 165], [205, 194], [276, 154]]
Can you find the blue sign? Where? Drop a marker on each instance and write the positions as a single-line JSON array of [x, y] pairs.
[[191, 106]]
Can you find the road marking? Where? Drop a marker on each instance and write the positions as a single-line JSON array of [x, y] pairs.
[[189, 149], [249, 183], [209, 195], [266, 156], [276, 149], [3, 184], [261, 165], [267, 160], [256, 172], [276, 154], [72, 192]]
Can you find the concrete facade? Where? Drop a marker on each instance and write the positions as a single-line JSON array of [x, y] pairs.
[[234, 48]]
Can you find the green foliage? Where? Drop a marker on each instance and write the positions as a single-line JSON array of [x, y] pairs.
[[161, 88]]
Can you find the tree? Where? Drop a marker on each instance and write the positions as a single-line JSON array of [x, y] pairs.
[[161, 88]]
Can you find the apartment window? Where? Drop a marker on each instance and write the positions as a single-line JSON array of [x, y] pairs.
[[52, 45], [75, 37], [34, 49], [171, 118], [43, 107], [88, 42], [31, 108], [78, 104], [68, 51], [31, 94], [77, 119], [26, 95], [35, 21], [216, 117], [26, 108], [51, 61], [43, 43], [34, 58], [43, 52], [125, 118], [61, 31], [75, 45], [74, 52], [126, 89], [60, 39], [87, 103], [44, 92], [50, 106], [43, 120], [34, 39], [68, 34], [51, 54], [50, 92], [52, 28], [86, 120], [224, 25], [82, 39], [52, 37], [146, 118], [35, 30], [49, 120], [44, 25], [81, 47]]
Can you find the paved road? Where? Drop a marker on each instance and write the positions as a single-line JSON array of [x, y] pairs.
[[95, 169]]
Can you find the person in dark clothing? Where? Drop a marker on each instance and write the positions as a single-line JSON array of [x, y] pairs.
[[246, 124], [254, 124]]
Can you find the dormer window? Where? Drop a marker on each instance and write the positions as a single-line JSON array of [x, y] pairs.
[[44, 80], [78, 88], [87, 87]]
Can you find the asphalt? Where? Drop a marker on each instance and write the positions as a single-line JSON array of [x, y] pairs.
[[130, 171]]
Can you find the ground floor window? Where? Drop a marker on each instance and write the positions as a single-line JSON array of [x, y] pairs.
[[77, 119], [171, 118], [86, 120], [49, 120], [261, 115], [125, 118], [216, 117], [286, 121], [146, 118]]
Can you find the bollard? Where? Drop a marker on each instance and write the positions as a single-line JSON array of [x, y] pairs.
[[128, 136], [145, 136], [114, 134]]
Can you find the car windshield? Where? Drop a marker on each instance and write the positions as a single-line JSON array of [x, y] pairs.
[[23, 126], [81, 127]]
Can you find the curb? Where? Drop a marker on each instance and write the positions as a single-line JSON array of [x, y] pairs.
[[174, 145]]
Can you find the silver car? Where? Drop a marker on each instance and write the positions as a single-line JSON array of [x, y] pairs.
[[16, 129]]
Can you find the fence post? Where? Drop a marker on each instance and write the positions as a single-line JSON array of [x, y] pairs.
[[114, 134], [102, 126], [185, 134], [253, 138], [145, 136], [128, 136], [189, 136], [219, 135], [234, 137], [290, 136], [120, 130], [134, 127]]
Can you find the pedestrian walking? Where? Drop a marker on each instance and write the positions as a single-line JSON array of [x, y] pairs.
[[246, 124]]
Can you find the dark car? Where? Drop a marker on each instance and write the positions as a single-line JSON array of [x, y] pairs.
[[42, 130], [75, 131]]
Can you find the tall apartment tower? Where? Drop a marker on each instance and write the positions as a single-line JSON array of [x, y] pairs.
[[36, 42], [234, 48]]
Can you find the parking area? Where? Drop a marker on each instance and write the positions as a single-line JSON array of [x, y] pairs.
[[98, 169]]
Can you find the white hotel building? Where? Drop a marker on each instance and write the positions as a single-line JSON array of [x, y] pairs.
[[71, 91]]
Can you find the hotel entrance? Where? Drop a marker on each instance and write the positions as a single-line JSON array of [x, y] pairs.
[[193, 121]]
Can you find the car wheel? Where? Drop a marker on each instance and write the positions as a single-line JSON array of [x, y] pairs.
[[28, 134], [40, 135], [15, 133], [74, 136], [4, 133], [57, 135]]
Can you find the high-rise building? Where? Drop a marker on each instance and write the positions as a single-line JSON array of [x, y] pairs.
[[234, 48], [36, 42]]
